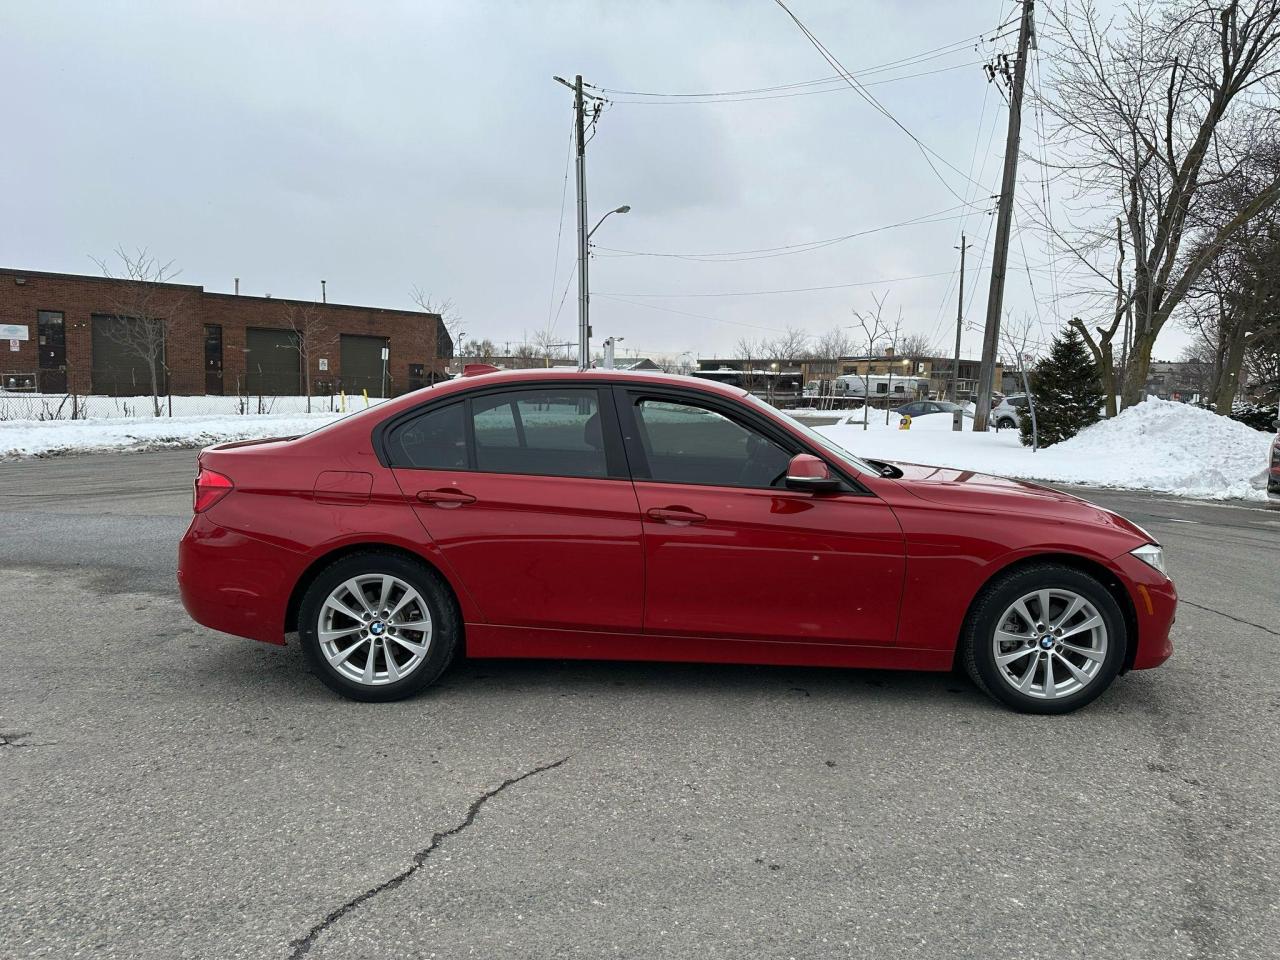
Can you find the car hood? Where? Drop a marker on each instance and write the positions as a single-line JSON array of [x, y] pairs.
[[966, 489]]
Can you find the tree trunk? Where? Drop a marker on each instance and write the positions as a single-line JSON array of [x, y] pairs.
[[1107, 378], [1135, 373], [1229, 382], [155, 386]]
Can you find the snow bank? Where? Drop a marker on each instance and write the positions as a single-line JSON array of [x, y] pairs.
[[1157, 445], [33, 438]]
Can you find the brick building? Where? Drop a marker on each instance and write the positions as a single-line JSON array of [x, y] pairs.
[[79, 334]]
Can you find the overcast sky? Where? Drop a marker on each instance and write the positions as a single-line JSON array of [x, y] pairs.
[[382, 145]]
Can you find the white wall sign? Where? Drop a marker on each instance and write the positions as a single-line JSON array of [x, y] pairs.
[[13, 345], [14, 331], [324, 363]]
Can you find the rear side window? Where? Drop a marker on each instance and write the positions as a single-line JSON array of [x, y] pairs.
[[553, 433], [433, 441]]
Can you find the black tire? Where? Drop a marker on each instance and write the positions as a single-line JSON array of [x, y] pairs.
[[1005, 423], [445, 624], [978, 656]]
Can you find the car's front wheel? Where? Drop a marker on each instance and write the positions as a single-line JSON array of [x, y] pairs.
[[377, 626], [1045, 638]]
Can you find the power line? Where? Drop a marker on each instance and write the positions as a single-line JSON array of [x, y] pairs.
[[760, 293], [564, 193], [861, 90], [761, 253], [839, 88], [686, 313], [926, 55]]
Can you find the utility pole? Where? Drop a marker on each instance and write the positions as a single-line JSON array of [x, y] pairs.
[[1000, 256], [955, 366]]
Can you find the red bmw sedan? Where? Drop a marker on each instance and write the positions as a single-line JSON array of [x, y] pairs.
[[607, 515]]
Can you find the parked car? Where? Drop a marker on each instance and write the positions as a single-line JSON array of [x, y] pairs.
[[1008, 412], [922, 408], [610, 515]]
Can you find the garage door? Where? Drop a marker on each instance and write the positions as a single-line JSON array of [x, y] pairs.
[[119, 368], [362, 364], [273, 365]]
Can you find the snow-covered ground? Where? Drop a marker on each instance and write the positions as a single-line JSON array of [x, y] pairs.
[[1157, 445], [59, 406], [31, 438]]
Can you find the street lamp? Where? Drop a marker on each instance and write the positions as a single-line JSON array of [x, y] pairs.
[[608, 349], [584, 285], [625, 208]]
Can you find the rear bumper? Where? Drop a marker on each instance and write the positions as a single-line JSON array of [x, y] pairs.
[[1155, 602], [234, 583]]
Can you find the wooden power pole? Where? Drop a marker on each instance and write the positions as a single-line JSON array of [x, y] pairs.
[[1000, 256]]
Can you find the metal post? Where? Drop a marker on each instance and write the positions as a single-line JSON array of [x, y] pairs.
[[955, 367], [584, 294], [1000, 256]]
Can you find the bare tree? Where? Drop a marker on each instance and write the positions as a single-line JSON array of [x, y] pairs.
[[748, 351], [1145, 115], [790, 344], [832, 345], [307, 322], [1238, 294], [1099, 340], [1016, 335], [145, 309], [916, 346], [446, 310], [874, 329]]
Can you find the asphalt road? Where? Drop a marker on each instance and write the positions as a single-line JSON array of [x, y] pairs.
[[166, 791]]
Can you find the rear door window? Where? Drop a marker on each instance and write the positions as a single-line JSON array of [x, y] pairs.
[[553, 433]]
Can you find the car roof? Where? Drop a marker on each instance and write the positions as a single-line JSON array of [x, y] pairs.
[[546, 375]]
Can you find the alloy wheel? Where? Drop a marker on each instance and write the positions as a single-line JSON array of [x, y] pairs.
[[374, 629], [1050, 644]]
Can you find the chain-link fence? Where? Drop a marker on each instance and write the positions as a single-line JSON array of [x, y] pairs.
[[19, 405]]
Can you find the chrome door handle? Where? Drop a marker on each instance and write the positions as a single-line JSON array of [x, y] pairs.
[[677, 515], [445, 498]]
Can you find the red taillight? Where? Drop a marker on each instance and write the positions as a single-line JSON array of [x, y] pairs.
[[211, 487]]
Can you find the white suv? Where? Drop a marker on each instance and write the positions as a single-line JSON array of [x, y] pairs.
[[1009, 410]]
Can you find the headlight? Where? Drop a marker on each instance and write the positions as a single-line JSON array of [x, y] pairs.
[[1151, 554]]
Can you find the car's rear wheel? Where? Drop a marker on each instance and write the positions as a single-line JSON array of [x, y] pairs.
[[377, 626], [1006, 423], [1044, 639]]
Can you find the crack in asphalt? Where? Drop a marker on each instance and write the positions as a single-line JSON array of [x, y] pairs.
[[1247, 623], [303, 944], [15, 738]]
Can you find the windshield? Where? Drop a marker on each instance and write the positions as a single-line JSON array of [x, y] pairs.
[[818, 439]]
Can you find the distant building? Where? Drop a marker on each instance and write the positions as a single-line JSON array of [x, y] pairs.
[[72, 337], [629, 363], [1182, 380], [785, 381], [937, 370]]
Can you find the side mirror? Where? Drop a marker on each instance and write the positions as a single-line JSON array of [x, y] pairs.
[[807, 472]]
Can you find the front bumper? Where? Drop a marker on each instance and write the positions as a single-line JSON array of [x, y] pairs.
[[1155, 603], [234, 583]]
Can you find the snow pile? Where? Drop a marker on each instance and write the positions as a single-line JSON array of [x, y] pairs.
[[1157, 445], [32, 438], [1170, 446]]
